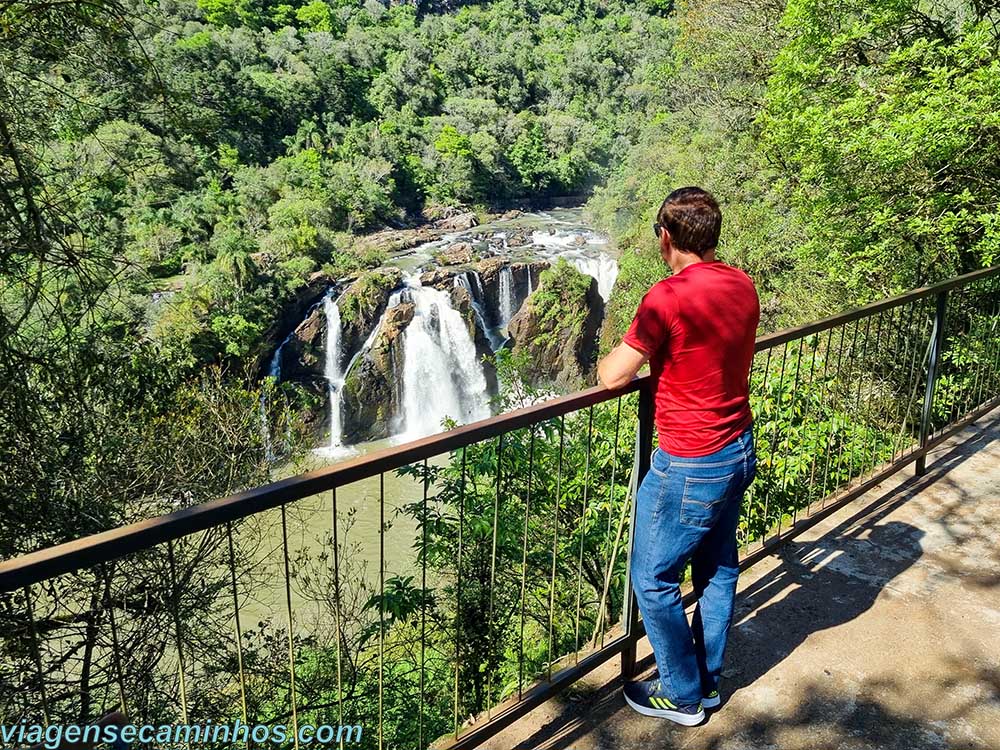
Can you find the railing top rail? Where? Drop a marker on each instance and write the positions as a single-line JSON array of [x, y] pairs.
[[114, 543], [791, 334]]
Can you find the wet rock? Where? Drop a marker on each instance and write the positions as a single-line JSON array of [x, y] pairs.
[[439, 278], [457, 254], [361, 306], [462, 301], [519, 238], [459, 222], [489, 273], [561, 339], [372, 388], [512, 214]]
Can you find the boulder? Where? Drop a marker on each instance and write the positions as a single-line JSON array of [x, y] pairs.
[[459, 222], [439, 278], [372, 389], [558, 329], [457, 254], [512, 214]]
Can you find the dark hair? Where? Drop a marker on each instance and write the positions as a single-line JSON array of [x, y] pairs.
[[693, 218]]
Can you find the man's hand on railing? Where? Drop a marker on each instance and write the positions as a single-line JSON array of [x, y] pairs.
[[618, 368]]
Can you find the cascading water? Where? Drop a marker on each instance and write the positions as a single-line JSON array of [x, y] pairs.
[[470, 281], [603, 268], [577, 248], [334, 375], [442, 375], [507, 303]]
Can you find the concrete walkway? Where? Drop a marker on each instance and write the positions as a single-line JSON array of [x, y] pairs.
[[878, 628]]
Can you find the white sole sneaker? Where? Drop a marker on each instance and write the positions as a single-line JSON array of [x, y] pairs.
[[678, 717], [712, 702]]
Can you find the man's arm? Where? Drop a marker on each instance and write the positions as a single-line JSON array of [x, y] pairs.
[[618, 368]]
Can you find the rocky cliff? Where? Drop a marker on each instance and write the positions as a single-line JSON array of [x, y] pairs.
[[371, 398], [558, 328]]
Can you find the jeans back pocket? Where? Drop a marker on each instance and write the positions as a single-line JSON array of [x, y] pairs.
[[704, 498]]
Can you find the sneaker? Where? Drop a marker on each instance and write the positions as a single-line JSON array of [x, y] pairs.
[[647, 698], [712, 700]]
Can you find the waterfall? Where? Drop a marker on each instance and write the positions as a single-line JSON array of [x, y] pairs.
[[603, 268], [334, 375], [470, 281], [530, 288], [273, 372], [506, 294], [578, 248], [442, 375]]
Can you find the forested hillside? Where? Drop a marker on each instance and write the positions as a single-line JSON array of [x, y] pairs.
[[173, 173]]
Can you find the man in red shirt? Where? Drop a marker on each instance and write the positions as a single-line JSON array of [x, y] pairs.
[[696, 329]]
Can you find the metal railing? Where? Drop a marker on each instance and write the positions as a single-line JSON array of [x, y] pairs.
[[437, 591]]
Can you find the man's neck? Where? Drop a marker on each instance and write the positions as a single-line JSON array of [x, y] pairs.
[[681, 260]]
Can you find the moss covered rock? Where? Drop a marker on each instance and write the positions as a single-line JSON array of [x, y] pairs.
[[558, 327]]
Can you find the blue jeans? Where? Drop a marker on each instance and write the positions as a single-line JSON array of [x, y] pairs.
[[688, 509]]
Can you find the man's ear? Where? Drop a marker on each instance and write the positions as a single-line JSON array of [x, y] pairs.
[[665, 244]]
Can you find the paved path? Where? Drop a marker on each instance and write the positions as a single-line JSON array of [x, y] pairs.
[[878, 628]]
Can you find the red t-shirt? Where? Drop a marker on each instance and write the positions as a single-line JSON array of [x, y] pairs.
[[698, 328]]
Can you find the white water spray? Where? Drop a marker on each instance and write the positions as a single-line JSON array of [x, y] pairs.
[[442, 375]]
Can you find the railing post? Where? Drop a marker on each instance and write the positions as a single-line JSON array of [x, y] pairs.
[[643, 445], [933, 365]]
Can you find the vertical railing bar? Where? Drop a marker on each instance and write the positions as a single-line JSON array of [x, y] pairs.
[[641, 461], [937, 343], [981, 373], [981, 362], [236, 620], [381, 608], [859, 373], [847, 396], [291, 631], [805, 421], [524, 562], [493, 567], [899, 351], [897, 355], [823, 405], [423, 604], [774, 438], [602, 607], [555, 542], [870, 417], [993, 353], [175, 605], [752, 492], [913, 344], [36, 653], [458, 588], [337, 609], [795, 389], [115, 641], [583, 521], [838, 391]]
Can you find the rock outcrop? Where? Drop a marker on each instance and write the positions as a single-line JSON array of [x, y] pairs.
[[525, 276], [372, 390], [558, 328], [303, 357], [457, 254], [459, 222], [361, 307], [462, 301]]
